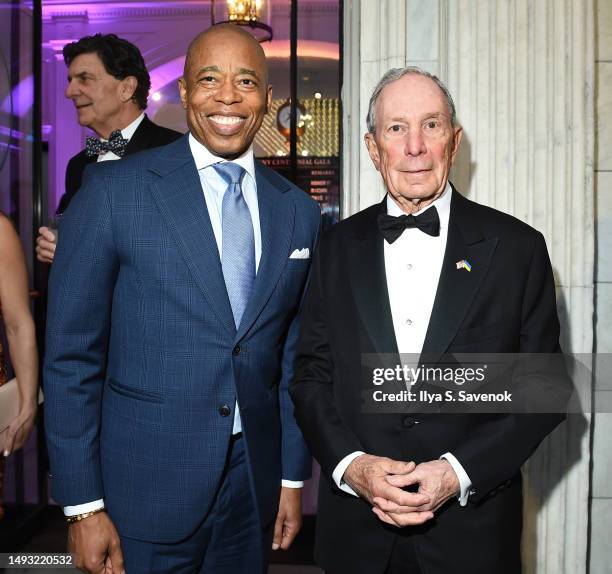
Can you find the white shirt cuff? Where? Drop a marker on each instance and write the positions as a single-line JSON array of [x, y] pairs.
[[465, 484], [82, 508], [292, 483], [341, 469]]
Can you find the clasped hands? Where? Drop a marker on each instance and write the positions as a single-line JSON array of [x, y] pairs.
[[381, 480]]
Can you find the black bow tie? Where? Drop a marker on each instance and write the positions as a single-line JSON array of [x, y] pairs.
[[392, 227], [116, 143]]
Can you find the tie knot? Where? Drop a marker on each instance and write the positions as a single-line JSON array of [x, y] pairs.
[[229, 171], [392, 227], [116, 143], [115, 136]]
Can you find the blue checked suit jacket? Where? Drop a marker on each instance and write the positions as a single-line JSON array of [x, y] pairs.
[[142, 350]]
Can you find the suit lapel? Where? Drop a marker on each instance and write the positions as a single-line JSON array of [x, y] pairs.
[[179, 197], [276, 220], [141, 139], [76, 173], [457, 287], [369, 283]]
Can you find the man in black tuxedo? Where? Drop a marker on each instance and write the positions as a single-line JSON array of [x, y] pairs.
[[425, 271], [109, 85]]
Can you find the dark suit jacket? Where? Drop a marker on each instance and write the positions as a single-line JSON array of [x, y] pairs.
[[142, 351], [148, 135], [506, 304]]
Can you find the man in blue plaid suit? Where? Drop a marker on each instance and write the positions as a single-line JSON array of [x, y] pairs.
[[174, 303]]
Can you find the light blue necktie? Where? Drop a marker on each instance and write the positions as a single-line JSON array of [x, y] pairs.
[[238, 240]]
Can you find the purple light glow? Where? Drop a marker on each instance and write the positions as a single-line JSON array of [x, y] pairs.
[[6, 132], [22, 97], [166, 73], [49, 10]]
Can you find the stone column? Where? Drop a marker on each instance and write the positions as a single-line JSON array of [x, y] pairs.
[[521, 73], [601, 489]]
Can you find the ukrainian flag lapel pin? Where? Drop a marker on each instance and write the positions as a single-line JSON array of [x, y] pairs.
[[464, 264]]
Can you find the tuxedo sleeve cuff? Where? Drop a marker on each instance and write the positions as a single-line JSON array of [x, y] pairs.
[[292, 483], [82, 508], [465, 484], [341, 469]]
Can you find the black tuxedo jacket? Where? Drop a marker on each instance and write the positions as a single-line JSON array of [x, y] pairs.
[[506, 304], [147, 135]]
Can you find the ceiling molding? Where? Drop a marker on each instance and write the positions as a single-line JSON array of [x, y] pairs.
[[57, 13], [54, 10]]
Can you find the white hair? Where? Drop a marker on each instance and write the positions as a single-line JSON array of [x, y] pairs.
[[397, 73]]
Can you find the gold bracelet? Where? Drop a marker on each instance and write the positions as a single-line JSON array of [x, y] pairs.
[[79, 517]]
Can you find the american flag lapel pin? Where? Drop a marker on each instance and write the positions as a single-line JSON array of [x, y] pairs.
[[464, 264]]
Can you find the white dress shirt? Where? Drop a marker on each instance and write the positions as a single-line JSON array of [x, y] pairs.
[[126, 133], [213, 187], [414, 260]]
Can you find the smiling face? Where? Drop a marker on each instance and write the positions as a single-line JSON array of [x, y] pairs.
[[225, 90], [99, 98], [415, 143]]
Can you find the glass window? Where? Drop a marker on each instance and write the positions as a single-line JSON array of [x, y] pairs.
[[16, 117], [18, 142]]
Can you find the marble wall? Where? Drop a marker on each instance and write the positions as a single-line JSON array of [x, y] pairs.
[[601, 491]]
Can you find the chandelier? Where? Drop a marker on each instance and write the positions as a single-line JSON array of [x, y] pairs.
[[246, 13]]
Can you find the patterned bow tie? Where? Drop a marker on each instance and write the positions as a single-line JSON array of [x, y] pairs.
[[116, 143], [392, 227]]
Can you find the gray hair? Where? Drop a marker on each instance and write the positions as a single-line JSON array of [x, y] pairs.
[[397, 73]]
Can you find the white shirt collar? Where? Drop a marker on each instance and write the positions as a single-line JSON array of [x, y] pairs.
[[128, 131], [204, 158], [442, 204]]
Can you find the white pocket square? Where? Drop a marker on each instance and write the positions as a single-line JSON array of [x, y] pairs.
[[300, 254]]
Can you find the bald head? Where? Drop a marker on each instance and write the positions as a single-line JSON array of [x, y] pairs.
[[225, 89], [229, 32]]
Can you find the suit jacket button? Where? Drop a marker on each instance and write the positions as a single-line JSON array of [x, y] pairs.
[[224, 411], [409, 422], [236, 350]]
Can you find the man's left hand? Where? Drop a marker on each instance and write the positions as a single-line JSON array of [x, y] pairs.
[[288, 519], [435, 478]]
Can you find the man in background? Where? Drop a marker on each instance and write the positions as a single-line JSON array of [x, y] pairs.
[[109, 85]]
